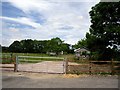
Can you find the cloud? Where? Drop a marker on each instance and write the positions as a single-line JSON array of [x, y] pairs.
[[61, 0], [23, 20], [67, 20], [0, 32], [29, 5], [9, 34]]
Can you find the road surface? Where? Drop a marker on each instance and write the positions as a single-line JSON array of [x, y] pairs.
[[38, 80]]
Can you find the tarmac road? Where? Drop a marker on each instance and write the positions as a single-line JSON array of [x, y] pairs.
[[20, 80]]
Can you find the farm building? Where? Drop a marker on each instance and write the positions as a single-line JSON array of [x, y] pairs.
[[82, 53], [55, 53]]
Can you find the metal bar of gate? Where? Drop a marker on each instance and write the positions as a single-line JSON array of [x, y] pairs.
[[18, 57], [41, 57]]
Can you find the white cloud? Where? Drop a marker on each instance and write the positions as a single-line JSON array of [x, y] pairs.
[[10, 34], [0, 32], [23, 20], [29, 5], [67, 20], [60, 1]]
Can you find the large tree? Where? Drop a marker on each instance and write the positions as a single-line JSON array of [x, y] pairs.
[[15, 47], [80, 44], [104, 35]]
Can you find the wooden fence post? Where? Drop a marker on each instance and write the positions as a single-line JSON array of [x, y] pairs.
[[14, 59], [66, 66], [112, 67], [16, 64], [90, 67]]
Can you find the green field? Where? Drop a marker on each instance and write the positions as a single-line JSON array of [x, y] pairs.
[[8, 57], [32, 57]]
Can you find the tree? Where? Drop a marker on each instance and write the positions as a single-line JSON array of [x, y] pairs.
[[15, 47], [28, 45], [65, 47], [81, 44], [36, 46], [104, 35], [55, 45], [4, 48]]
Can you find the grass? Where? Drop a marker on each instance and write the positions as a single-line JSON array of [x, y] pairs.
[[36, 60], [7, 57], [29, 61]]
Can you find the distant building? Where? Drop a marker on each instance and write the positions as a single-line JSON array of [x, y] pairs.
[[82, 53], [55, 53], [52, 53]]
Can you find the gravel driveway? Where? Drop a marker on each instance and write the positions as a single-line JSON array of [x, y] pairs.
[[39, 80]]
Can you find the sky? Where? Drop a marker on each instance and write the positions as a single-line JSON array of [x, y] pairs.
[[45, 19]]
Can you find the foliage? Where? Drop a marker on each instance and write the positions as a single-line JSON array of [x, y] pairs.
[[35, 46], [4, 49], [104, 35], [82, 43]]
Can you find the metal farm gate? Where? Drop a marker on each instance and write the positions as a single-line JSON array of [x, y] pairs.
[[41, 64]]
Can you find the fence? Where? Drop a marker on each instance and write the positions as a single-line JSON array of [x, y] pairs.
[[65, 66], [8, 61], [94, 67]]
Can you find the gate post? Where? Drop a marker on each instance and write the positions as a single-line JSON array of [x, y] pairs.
[[16, 64], [66, 66]]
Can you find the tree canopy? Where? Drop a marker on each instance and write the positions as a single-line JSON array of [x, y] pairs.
[[80, 44], [39, 46], [104, 33]]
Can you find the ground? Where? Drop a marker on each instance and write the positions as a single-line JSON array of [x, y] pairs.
[[12, 79]]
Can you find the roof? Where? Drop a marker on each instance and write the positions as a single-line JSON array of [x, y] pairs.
[[81, 50]]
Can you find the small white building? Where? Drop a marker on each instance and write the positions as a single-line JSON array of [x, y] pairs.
[[82, 53], [54, 53]]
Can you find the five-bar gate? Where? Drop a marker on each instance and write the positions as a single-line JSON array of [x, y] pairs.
[[41, 64]]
